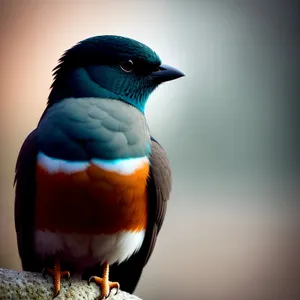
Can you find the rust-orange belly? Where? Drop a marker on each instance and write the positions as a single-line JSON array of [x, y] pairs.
[[94, 201]]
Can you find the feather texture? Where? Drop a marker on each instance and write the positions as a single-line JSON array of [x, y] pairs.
[[88, 128], [159, 187], [159, 190]]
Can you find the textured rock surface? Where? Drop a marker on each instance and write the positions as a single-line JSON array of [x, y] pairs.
[[25, 285]]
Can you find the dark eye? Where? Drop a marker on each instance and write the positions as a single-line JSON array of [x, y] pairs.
[[126, 66]]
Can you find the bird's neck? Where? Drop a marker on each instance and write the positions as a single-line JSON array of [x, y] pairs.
[[78, 85]]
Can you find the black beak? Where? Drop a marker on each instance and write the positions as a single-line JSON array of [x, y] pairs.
[[165, 73]]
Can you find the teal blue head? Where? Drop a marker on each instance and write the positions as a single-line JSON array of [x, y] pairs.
[[111, 67]]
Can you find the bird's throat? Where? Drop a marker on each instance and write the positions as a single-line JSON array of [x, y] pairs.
[[80, 83]]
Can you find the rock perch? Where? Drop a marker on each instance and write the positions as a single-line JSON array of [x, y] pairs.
[[26, 285]]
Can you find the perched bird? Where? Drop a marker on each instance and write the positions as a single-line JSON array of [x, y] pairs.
[[91, 183]]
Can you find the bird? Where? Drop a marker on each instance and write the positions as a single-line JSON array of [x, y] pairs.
[[91, 182]]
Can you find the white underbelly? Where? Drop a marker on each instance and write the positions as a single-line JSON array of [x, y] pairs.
[[84, 250]]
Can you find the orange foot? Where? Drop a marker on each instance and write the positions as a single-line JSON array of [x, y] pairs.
[[105, 285], [57, 274]]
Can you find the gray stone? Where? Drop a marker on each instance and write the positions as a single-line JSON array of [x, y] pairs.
[[33, 286]]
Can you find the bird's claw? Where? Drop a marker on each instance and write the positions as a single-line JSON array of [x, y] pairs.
[[56, 294], [65, 274], [105, 285], [116, 292], [90, 280], [57, 274], [44, 272]]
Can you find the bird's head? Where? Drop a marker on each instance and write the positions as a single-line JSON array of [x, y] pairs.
[[111, 67]]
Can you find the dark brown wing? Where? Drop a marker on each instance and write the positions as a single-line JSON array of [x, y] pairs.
[[25, 203], [159, 187]]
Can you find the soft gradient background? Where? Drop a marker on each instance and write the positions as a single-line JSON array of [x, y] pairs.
[[229, 128]]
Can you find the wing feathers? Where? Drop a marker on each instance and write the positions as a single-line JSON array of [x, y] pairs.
[[25, 202], [128, 273], [159, 189]]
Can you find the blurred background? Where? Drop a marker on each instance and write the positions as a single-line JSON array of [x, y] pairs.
[[230, 128]]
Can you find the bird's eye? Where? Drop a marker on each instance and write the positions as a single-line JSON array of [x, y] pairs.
[[126, 66]]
